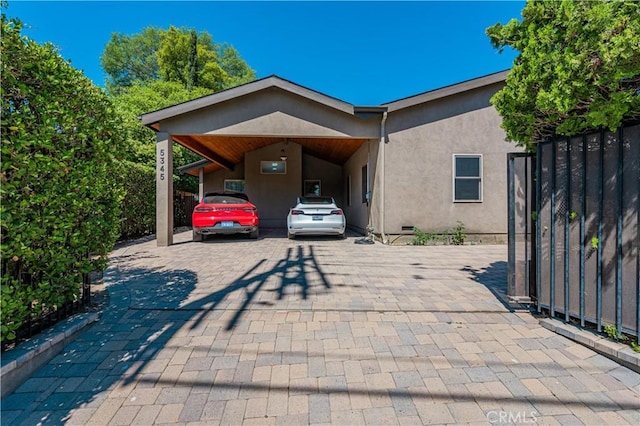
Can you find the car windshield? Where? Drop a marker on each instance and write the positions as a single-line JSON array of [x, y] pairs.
[[223, 199], [316, 200]]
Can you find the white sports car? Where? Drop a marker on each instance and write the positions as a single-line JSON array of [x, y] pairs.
[[316, 215]]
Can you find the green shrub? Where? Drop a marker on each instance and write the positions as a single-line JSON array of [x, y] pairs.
[[139, 203], [60, 196], [421, 238], [455, 236]]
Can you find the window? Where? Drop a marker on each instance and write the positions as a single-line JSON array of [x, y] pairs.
[[273, 167], [312, 187], [234, 185], [365, 184], [467, 178]]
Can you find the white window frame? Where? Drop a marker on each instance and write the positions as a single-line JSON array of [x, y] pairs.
[[233, 180], [455, 177]]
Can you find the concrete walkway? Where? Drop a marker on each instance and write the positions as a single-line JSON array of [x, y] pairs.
[[318, 331]]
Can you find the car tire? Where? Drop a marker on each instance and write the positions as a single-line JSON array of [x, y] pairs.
[[254, 234], [197, 237], [291, 236], [342, 236]]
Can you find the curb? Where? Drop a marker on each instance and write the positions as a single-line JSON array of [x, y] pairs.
[[618, 352], [19, 364]]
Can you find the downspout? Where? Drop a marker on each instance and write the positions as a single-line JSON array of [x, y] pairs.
[[200, 184], [383, 142]]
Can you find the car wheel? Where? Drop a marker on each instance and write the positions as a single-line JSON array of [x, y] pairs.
[[254, 235], [342, 236], [197, 237], [291, 236]]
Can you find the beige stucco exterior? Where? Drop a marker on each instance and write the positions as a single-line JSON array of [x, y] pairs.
[[270, 112], [407, 147], [362, 214], [422, 141]]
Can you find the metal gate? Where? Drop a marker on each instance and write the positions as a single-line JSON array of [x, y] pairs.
[[588, 220], [521, 243]]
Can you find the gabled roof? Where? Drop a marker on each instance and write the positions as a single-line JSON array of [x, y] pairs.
[[152, 118], [446, 91]]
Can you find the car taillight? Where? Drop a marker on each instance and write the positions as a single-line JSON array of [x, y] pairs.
[[249, 209], [296, 212], [337, 212], [204, 209]]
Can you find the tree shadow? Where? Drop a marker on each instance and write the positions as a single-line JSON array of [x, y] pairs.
[[494, 278], [148, 307], [292, 271], [147, 293]]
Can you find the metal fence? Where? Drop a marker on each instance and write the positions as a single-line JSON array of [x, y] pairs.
[[35, 324], [521, 235], [585, 238], [183, 205]]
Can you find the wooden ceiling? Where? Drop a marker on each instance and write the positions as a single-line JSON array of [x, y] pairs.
[[227, 151]]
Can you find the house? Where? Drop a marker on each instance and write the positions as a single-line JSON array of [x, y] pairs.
[[426, 161]]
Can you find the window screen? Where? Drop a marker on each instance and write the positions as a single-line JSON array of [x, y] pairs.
[[467, 181]]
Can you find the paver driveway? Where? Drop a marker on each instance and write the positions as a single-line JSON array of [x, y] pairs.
[[318, 331]]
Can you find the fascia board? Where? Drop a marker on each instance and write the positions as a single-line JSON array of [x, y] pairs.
[[153, 117], [446, 91]]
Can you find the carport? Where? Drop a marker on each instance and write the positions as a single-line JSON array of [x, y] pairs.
[[240, 132]]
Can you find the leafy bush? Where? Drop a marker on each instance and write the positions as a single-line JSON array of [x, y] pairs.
[[455, 236], [60, 196], [139, 203], [421, 238]]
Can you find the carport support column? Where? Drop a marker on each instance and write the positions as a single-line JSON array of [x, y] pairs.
[[200, 183], [164, 189]]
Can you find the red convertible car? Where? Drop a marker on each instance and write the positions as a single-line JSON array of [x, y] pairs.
[[225, 213]]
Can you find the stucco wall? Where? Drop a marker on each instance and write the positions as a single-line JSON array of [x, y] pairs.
[[272, 194], [419, 164], [357, 212], [215, 181], [271, 112], [328, 173]]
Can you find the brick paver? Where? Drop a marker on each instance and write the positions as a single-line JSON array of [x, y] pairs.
[[318, 331]]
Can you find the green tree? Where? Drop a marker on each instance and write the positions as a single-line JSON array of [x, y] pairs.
[[578, 68], [60, 195], [192, 71], [138, 99], [153, 70], [127, 59], [236, 69], [174, 55]]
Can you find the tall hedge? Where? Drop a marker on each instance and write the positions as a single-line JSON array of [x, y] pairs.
[[60, 192], [139, 203]]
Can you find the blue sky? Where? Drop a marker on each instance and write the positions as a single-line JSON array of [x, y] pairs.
[[365, 53]]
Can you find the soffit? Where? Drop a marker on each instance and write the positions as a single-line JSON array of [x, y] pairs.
[[228, 151]]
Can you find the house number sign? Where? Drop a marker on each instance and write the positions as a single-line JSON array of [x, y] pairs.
[[162, 161]]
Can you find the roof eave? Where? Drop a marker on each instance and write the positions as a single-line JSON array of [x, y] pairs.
[[193, 166], [151, 119], [446, 91]]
